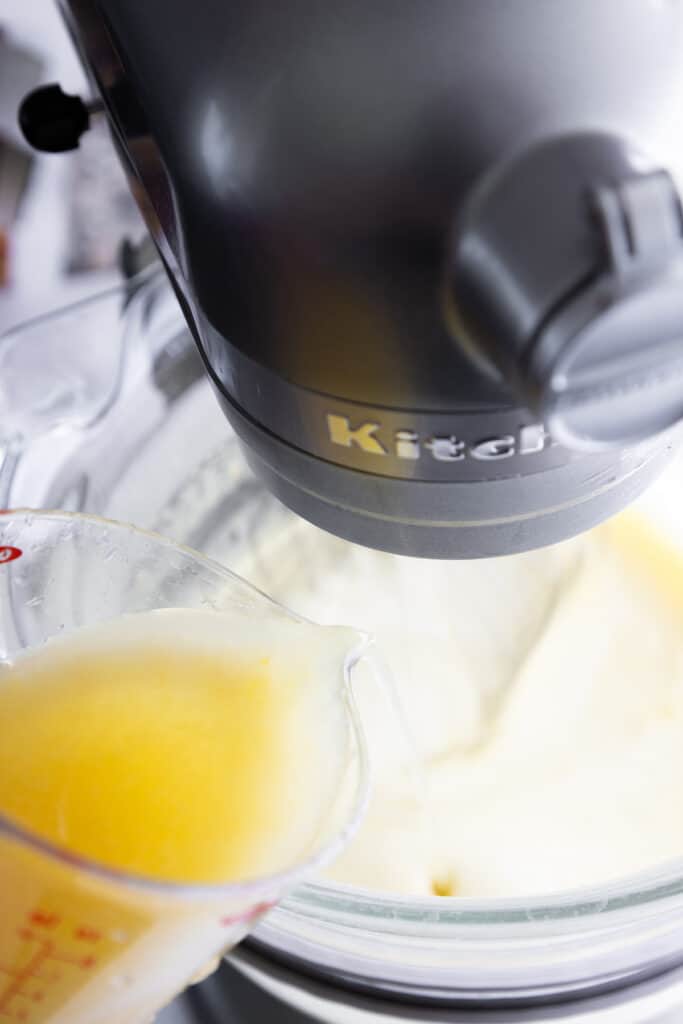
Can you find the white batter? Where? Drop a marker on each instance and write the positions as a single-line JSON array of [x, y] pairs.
[[544, 695]]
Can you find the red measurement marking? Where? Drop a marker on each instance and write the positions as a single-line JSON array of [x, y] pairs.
[[85, 934], [8, 554], [15, 973], [19, 979], [248, 915], [84, 962], [44, 919], [34, 997]]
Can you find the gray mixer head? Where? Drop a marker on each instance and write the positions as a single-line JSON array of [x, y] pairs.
[[431, 254]]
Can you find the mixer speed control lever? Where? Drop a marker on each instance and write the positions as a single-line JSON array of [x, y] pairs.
[[567, 277]]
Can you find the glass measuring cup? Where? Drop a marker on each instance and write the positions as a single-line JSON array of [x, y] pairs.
[[80, 942]]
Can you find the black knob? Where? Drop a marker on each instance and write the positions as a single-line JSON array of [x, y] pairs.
[[52, 121]]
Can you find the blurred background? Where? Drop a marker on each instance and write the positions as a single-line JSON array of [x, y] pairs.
[[63, 217]]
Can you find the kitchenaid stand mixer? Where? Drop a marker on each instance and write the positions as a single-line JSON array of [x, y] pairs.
[[431, 254]]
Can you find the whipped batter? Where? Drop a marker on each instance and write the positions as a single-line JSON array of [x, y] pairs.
[[539, 745]]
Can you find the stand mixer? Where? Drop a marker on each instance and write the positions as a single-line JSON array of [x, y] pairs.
[[431, 255]]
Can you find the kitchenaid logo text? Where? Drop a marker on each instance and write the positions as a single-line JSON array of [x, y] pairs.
[[407, 444]]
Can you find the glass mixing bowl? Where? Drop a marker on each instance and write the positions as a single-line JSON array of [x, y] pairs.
[[163, 457]]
